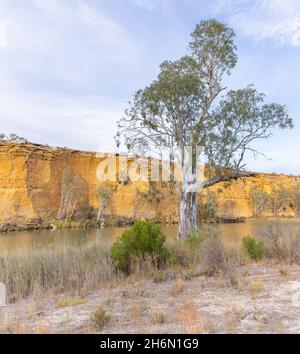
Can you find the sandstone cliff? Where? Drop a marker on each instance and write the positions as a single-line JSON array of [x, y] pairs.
[[31, 177]]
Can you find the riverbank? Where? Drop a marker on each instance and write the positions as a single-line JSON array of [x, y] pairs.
[[264, 301], [204, 285], [109, 221]]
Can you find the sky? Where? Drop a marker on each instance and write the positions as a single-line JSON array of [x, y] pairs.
[[69, 67]]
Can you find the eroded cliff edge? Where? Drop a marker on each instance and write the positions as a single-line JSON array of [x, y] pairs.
[[31, 177]]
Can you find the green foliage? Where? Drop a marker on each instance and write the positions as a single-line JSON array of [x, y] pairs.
[[277, 201], [205, 34], [90, 214], [295, 198], [260, 201], [280, 200], [152, 195], [188, 104], [104, 194], [195, 240], [105, 191], [254, 248], [173, 110], [142, 241], [74, 196]]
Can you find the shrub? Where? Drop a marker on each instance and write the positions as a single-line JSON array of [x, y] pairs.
[[282, 242], [100, 318], [254, 248], [217, 260], [214, 257], [104, 194], [194, 241], [260, 201], [142, 241]]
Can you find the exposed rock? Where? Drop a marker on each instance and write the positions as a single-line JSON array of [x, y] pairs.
[[30, 188]]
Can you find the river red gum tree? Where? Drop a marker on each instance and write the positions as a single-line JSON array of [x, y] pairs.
[[187, 105]]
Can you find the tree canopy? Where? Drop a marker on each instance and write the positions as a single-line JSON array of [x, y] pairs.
[[180, 108], [188, 105]]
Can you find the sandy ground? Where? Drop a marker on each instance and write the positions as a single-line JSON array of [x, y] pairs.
[[265, 300]]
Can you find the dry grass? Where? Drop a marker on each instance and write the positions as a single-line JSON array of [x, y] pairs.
[[79, 269], [219, 261], [100, 318], [159, 276], [231, 322], [15, 327], [240, 285], [216, 308], [232, 319], [255, 285], [177, 287], [158, 316], [282, 243], [136, 312], [283, 271], [214, 257], [69, 268], [190, 319]]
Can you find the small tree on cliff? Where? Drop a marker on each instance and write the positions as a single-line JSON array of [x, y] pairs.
[[260, 201], [182, 108], [104, 194], [73, 194]]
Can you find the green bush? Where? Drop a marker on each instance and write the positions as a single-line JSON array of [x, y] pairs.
[[254, 248], [143, 241], [195, 240]]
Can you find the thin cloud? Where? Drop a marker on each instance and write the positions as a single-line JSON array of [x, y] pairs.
[[69, 67], [275, 20], [86, 124], [164, 6], [3, 35], [81, 13], [61, 63]]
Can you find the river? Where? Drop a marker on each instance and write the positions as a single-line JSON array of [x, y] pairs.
[[21, 240]]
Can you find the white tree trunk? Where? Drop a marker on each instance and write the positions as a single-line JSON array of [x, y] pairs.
[[99, 214], [188, 215]]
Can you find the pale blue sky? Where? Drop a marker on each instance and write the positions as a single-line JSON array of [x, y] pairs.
[[68, 67]]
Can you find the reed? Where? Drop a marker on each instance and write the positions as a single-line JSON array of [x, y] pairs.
[[67, 268]]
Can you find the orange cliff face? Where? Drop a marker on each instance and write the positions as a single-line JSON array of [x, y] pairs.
[[31, 178]]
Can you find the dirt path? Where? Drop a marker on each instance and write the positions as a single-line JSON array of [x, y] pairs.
[[266, 300]]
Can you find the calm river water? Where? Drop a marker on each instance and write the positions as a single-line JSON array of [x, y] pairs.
[[230, 233]]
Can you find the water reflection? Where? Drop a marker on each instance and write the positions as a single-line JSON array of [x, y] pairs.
[[230, 234]]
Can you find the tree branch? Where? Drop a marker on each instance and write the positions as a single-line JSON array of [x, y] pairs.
[[235, 176]]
